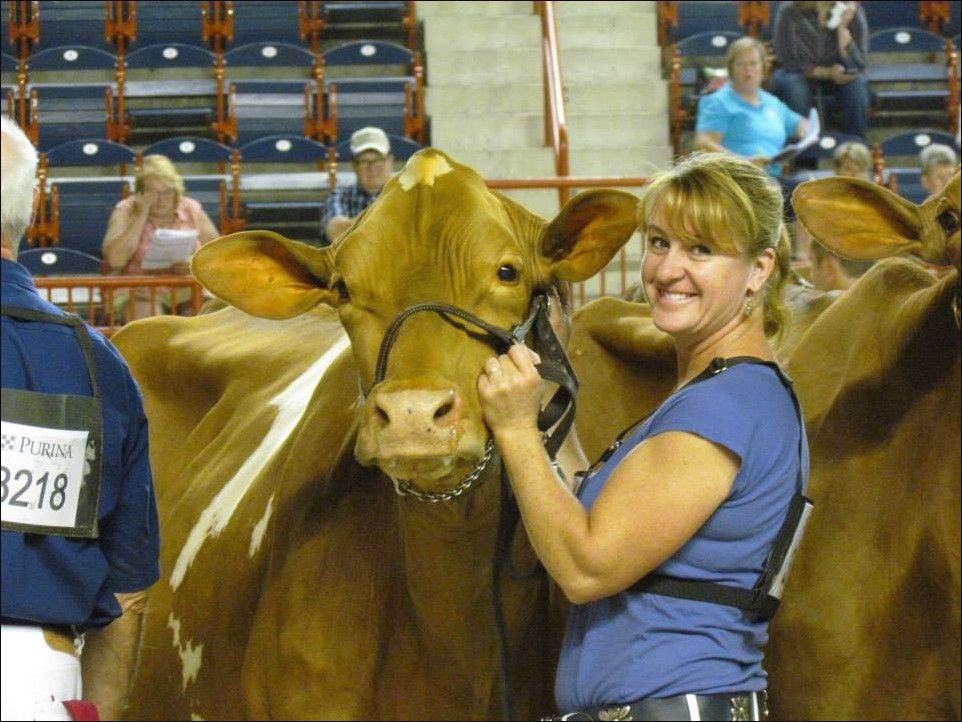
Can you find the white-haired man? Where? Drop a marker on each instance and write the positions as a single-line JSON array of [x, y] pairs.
[[373, 164], [79, 519]]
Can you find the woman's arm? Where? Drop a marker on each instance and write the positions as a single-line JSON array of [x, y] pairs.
[[123, 231], [206, 230], [658, 496]]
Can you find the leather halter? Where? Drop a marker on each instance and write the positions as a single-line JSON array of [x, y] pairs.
[[554, 366]]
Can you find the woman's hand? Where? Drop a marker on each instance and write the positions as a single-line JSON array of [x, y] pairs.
[[510, 391], [839, 75], [143, 202]]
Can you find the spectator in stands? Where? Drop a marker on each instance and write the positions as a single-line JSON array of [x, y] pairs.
[[159, 202], [741, 118], [77, 580], [938, 163], [823, 46], [853, 159], [831, 272], [373, 165]]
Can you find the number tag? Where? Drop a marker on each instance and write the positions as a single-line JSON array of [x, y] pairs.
[[42, 471]]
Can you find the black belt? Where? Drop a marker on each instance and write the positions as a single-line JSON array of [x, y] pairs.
[[737, 706]]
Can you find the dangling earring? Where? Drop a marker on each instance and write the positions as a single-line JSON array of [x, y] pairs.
[[749, 307]]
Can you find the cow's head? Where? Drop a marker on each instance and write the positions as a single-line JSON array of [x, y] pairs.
[[865, 221], [435, 234]]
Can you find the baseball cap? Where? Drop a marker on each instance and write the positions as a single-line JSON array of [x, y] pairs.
[[370, 139]]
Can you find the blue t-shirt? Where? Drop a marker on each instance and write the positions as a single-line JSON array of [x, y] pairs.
[[633, 645], [747, 129], [55, 579]]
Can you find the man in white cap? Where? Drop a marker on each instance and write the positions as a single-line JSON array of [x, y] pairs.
[[373, 165]]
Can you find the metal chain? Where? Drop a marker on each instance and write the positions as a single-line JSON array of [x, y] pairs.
[[406, 488]]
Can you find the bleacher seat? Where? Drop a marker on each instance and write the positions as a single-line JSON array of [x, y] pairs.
[[376, 83], [168, 21], [63, 22], [55, 261], [8, 64], [170, 88], [886, 14], [260, 20], [86, 178], [67, 112], [688, 59], [711, 16], [366, 20], [58, 262], [908, 76], [282, 185], [269, 80]]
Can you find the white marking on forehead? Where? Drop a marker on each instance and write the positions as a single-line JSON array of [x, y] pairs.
[[195, 716], [291, 404], [257, 535], [190, 656], [424, 169]]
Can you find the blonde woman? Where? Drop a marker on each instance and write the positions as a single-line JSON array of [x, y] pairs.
[[159, 201], [698, 490]]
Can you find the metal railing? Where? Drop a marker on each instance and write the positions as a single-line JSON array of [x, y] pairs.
[[555, 119]]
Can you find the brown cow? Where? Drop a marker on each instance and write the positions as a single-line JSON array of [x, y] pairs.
[[286, 563], [870, 626]]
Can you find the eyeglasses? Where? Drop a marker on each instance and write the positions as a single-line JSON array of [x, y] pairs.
[[370, 162], [168, 193]]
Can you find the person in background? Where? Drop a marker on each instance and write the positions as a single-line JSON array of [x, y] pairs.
[[698, 490], [741, 118], [79, 520], [831, 272], [159, 201], [938, 163], [853, 159], [823, 45], [373, 165]]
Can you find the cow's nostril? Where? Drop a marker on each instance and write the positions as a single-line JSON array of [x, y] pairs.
[[443, 410], [381, 417]]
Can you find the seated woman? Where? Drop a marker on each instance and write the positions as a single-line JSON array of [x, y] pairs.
[[159, 202], [742, 119]]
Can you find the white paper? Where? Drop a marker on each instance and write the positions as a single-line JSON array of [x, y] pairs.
[[169, 246], [793, 149]]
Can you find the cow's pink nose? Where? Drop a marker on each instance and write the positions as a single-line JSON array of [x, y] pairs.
[[416, 409]]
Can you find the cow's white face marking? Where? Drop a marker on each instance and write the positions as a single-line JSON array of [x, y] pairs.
[[257, 535], [190, 656], [423, 170], [291, 404]]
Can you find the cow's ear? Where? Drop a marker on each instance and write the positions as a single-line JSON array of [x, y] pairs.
[[588, 232], [857, 219], [264, 274]]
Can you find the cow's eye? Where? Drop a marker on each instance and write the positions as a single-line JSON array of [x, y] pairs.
[[508, 273], [342, 291], [949, 220]]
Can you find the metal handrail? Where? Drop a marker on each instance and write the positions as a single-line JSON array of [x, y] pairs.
[[555, 119]]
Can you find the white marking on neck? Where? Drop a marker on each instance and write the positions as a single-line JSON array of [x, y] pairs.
[[190, 656], [423, 169], [291, 404], [257, 536]]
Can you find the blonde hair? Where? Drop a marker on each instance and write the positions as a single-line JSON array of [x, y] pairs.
[[855, 152], [160, 167], [734, 204], [19, 175], [740, 46], [935, 155]]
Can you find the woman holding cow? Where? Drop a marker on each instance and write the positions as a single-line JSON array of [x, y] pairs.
[[673, 548]]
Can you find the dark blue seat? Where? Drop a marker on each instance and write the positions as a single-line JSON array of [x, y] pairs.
[[8, 64], [365, 11], [912, 142], [282, 185], [168, 21], [696, 17], [71, 58], [269, 80], [885, 14], [376, 98], [908, 74], [255, 20], [63, 22], [67, 112], [907, 183], [190, 149], [85, 202], [56, 261]]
